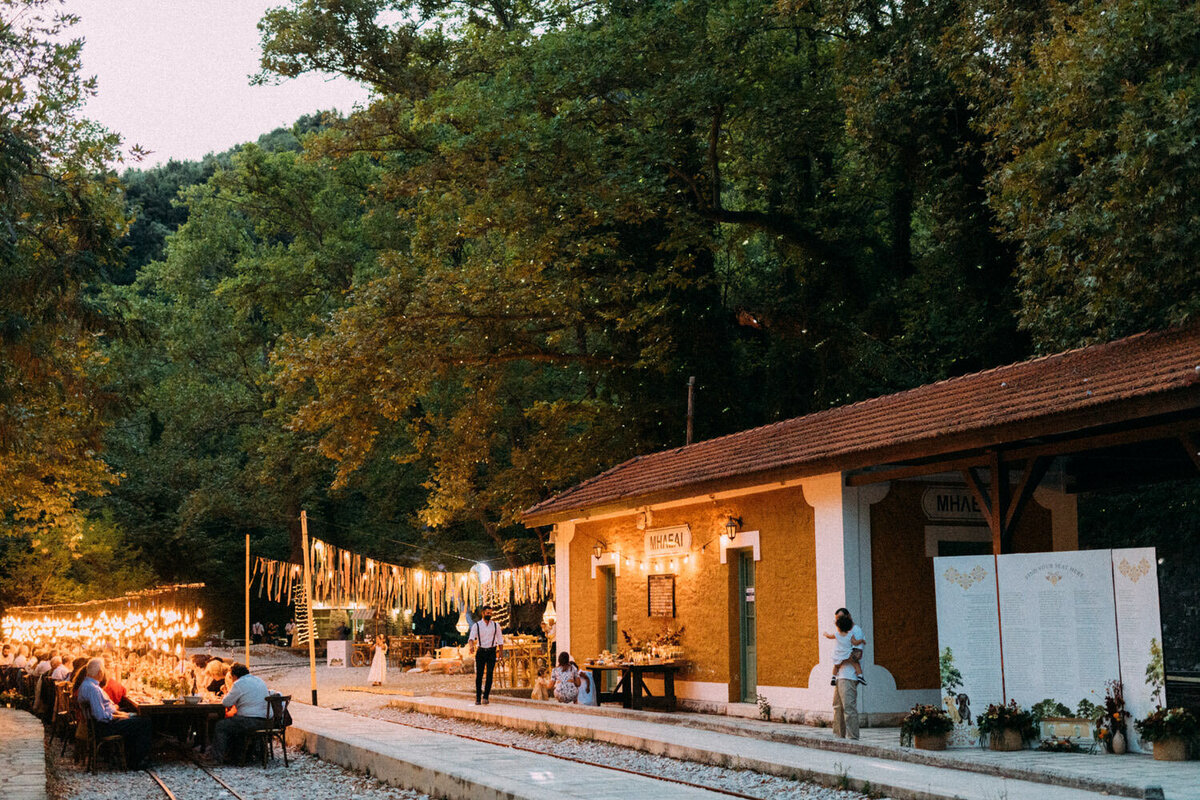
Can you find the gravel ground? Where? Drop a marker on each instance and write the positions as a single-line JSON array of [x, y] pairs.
[[306, 776], [294, 680], [316, 780]]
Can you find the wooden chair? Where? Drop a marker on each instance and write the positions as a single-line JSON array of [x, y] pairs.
[[62, 721], [95, 743], [277, 719]]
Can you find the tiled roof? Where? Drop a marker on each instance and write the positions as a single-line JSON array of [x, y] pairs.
[[1044, 396]]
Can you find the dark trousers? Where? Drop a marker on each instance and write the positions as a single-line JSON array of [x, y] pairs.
[[135, 731], [229, 735], [485, 659]]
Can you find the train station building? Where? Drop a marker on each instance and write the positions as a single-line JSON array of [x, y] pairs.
[[749, 542]]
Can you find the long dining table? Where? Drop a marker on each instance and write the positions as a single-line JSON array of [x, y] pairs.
[[179, 724]]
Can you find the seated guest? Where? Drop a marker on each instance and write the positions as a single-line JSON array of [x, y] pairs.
[[566, 679], [215, 672], [43, 665], [248, 698], [21, 659], [77, 667], [6, 655], [112, 685], [109, 721], [58, 670]]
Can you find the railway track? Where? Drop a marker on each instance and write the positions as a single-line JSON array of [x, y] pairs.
[[170, 794], [653, 776]]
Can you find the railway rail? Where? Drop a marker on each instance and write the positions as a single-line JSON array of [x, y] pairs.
[[170, 794]]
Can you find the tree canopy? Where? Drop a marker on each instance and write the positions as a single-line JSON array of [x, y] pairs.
[[495, 281]]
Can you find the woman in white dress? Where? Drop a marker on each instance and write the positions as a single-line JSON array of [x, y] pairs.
[[379, 662]]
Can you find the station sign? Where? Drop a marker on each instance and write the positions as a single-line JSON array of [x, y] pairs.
[[951, 503], [673, 541]]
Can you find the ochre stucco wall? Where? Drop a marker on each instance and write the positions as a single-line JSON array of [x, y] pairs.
[[905, 614], [705, 589]]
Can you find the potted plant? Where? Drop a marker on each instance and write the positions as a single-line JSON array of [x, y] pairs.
[[1007, 727], [925, 728], [1170, 729]]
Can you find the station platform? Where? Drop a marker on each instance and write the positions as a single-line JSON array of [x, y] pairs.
[[22, 756], [815, 754], [446, 766]]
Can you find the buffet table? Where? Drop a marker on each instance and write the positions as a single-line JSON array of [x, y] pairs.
[[631, 691]]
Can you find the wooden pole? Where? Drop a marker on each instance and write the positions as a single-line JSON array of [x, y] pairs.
[[312, 620], [690, 407], [247, 600]]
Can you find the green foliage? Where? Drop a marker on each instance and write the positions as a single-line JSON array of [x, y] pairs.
[[60, 215], [1049, 708], [1156, 677], [951, 677], [1099, 163]]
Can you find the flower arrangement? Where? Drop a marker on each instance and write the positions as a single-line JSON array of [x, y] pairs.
[[12, 699], [1168, 723], [1059, 745], [924, 720], [1112, 718], [668, 638], [999, 718]]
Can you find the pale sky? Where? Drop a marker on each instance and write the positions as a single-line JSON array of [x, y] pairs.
[[174, 75]]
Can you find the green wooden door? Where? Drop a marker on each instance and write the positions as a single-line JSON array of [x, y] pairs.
[[748, 626], [610, 621]]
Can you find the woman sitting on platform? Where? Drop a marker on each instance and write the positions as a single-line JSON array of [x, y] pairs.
[[566, 679]]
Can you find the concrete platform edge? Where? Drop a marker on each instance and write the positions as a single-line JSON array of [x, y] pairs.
[[799, 738]]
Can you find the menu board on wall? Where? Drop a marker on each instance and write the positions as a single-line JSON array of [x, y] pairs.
[[661, 595], [1139, 633], [1058, 626], [968, 641]]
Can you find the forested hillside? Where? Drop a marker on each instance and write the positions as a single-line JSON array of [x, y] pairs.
[[420, 319]]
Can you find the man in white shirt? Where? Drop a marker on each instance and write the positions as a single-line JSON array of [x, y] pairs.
[[248, 696], [43, 665], [256, 632], [487, 639]]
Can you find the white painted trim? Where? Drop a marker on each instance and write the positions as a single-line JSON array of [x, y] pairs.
[[609, 559], [954, 533], [743, 540], [564, 532]]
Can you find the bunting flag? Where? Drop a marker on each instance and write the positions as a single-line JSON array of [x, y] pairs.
[[342, 578]]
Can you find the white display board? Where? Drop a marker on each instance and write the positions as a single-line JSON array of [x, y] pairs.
[[1139, 632], [1035, 626], [337, 653], [968, 641], [1058, 626]]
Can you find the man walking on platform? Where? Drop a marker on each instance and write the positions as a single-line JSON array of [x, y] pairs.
[[487, 639], [845, 696]]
